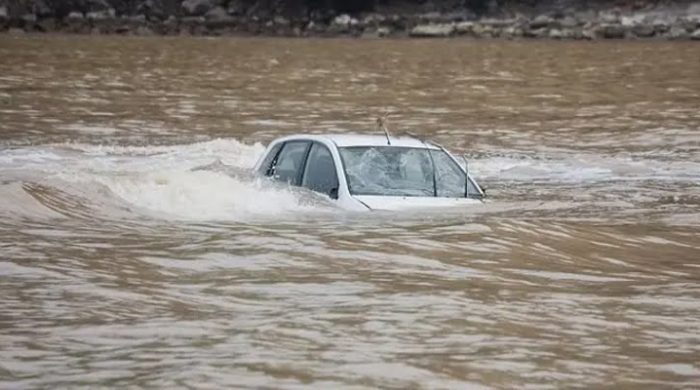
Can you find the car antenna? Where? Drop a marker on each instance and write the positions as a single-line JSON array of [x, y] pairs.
[[381, 123]]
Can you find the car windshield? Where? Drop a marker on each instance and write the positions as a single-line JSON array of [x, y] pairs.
[[401, 171]]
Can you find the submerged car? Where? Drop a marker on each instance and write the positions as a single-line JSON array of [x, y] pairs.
[[374, 172]]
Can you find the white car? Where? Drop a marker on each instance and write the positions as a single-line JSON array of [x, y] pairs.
[[372, 172]]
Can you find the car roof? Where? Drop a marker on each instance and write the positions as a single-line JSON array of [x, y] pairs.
[[345, 140]]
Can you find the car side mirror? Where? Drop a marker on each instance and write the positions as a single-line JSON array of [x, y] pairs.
[[333, 193]]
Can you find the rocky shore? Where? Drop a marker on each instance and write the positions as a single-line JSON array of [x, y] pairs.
[[549, 19]]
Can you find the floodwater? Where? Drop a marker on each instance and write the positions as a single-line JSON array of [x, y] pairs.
[[135, 249]]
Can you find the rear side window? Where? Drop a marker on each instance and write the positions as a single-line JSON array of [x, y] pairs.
[[320, 174], [265, 167], [290, 162]]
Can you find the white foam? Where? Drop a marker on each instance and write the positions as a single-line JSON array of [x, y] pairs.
[[200, 181], [203, 195]]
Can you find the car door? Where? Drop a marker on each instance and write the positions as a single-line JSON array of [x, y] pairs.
[[289, 163], [320, 173]]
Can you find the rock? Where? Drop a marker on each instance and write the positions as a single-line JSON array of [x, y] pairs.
[[380, 32], [343, 23], [3, 13], [41, 9], [481, 31], [96, 5], [612, 31], [632, 20], [46, 24], [75, 16], [143, 31], [433, 30], [609, 17], [15, 31], [464, 28], [695, 35], [588, 33], [197, 7], [660, 25], [373, 19], [28, 18], [101, 15], [158, 9], [512, 32], [236, 7], [677, 32], [541, 21], [555, 34], [192, 20], [643, 30], [217, 14], [281, 21], [568, 22]]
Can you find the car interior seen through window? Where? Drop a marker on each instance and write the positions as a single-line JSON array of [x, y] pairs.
[[289, 162], [320, 174]]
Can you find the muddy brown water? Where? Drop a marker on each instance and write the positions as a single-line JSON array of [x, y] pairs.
[[136, 251]]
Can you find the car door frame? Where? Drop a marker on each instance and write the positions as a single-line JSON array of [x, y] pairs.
[[270, 171], [335, 166]]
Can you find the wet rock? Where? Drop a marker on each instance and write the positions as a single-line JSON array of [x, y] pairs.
[[96, 5], [101, 15], [75, 16], [433, 30], [677, 32], [512, 32], [643, 30], [217, 14], [464, 28], [380, 32], [46, 24], [612, 31], [281, 21], [536, 33], [632, 20], [695, 35], [197, 7], [556, 34], [541, 21], [373, 19], [136, 20], [28, 19], [42, 10], [143, 31], [343, 24], [568, 22], [660, 25], [588, 34], [236, 7], [157, 10], [609, 17], [192, 20], [481, 31]]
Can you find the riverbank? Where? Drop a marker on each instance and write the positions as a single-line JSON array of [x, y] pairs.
[[548, 20]]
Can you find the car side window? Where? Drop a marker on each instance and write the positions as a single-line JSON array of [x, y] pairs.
[[266, 166], [320, 174], [287, 167]]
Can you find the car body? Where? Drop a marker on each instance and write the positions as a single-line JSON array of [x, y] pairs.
[[371, 172]]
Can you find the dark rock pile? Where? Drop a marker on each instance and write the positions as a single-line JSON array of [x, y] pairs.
[[674, 20]]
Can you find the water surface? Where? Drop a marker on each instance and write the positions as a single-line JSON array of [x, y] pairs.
[[137, 251]]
